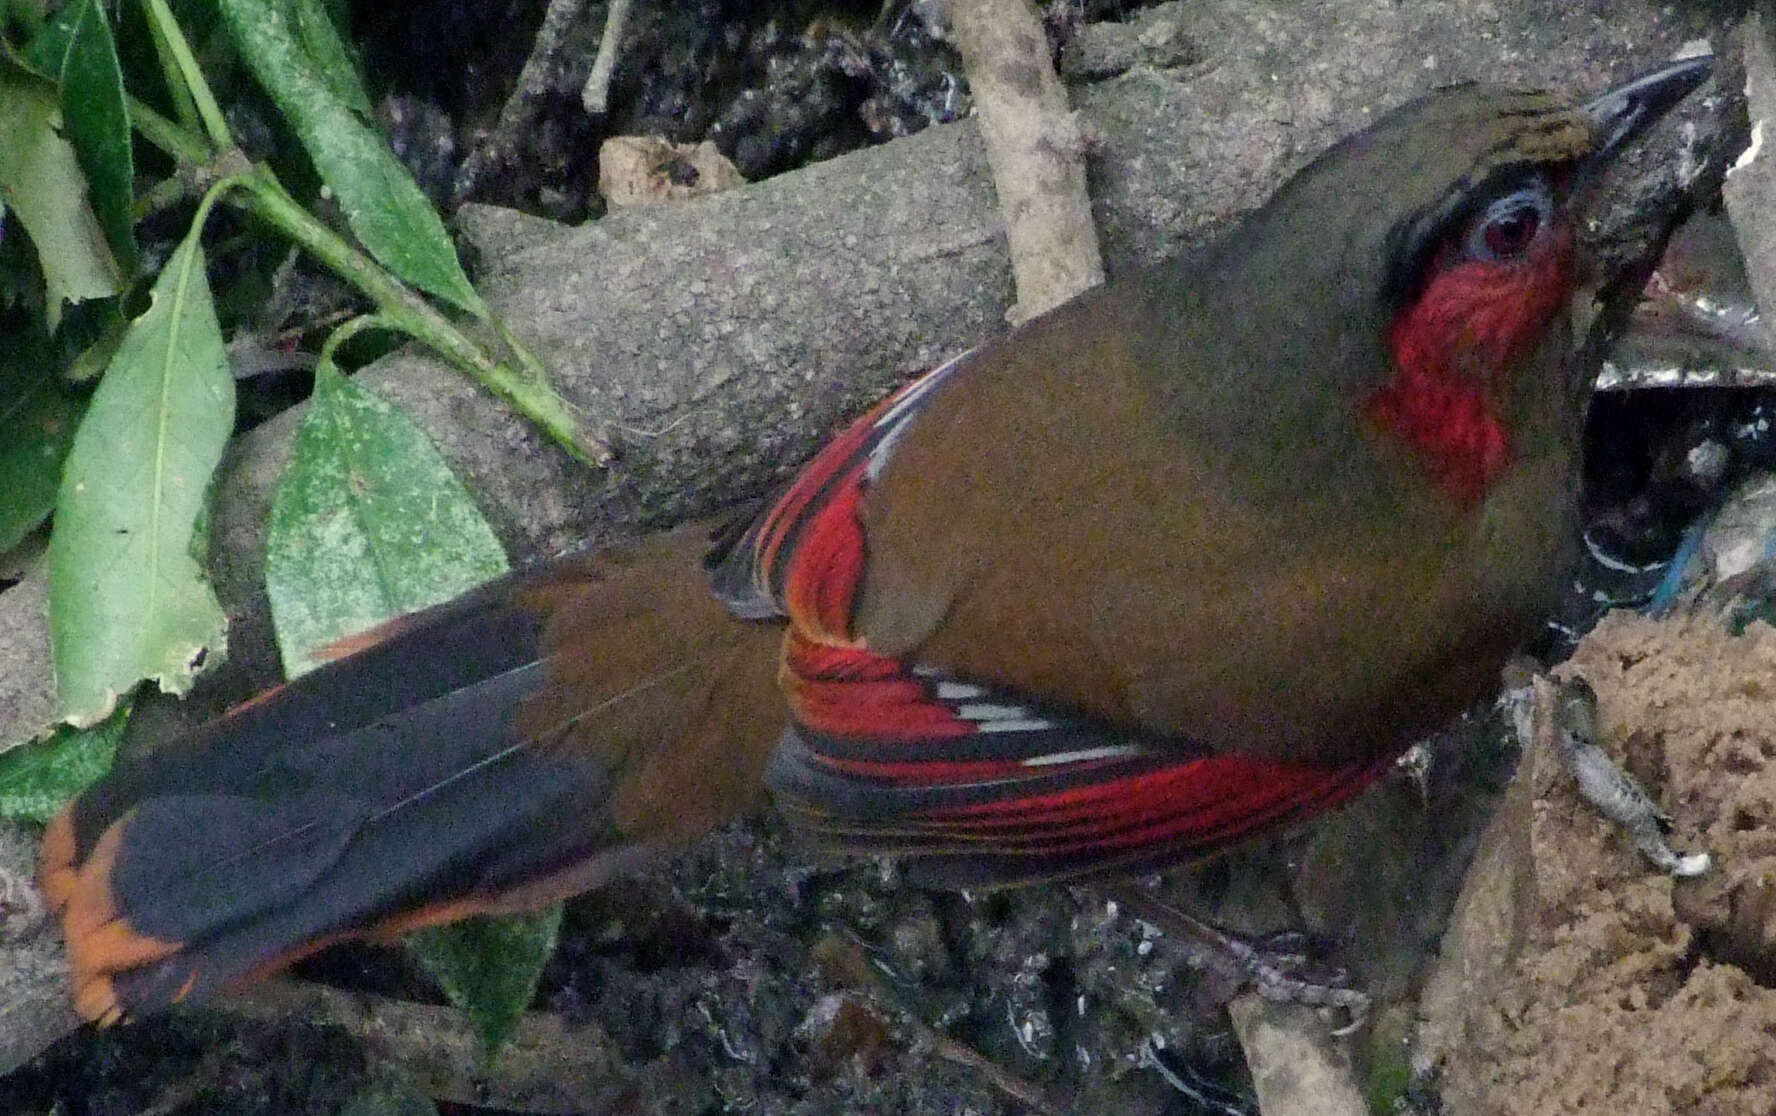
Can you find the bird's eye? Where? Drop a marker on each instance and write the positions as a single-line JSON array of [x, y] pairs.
[[1507, 227]]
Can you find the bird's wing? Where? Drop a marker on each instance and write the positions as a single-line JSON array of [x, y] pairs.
[[977, 786], [974, 783], [808, 545]]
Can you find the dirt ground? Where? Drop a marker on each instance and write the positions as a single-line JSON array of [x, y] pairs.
[[1577, 979]]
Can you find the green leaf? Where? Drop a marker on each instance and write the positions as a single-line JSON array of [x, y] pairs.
[[41, 181], [36, 779], [489, 967], [321, 41], [127, 597], [90, 363], [49, 45], [38, 416], [97, 124], [368, 523], [382, 204]]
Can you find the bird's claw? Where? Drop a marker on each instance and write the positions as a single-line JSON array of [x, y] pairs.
[[1288, 978], [1279, 967]]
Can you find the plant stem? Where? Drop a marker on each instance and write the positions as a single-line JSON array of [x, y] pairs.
[[525, 387], [527, 392], [170, 137], [191, 76]]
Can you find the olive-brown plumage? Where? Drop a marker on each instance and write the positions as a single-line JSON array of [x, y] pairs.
[[1251, 559], [1189, 557]]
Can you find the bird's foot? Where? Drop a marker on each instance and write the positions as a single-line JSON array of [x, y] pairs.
[[1279, 967], [1290, 975], [1611, 791]]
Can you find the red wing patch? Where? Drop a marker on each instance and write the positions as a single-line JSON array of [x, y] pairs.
[[978, 788], [804, 557], [971, 784]]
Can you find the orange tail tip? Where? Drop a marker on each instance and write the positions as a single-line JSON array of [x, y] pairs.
[[101, 943], [466, 761], [56, 871], [95, 998], [348, 645]]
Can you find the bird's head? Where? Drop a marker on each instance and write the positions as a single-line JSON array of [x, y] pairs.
[[1421, 265], [1481, 271]]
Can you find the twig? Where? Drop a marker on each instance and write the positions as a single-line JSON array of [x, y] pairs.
[[844, 962], [1297, 1068], [1029, 1095], [596, 94], [1036, 151], [1210, 947]]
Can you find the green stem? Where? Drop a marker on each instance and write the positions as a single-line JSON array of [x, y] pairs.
[[191, 75], [211, 196], [525, 387], [528, 393], [176, 141], [184, 108], [324, 363]]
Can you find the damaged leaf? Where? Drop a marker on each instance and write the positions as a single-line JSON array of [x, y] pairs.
[[127, 597]]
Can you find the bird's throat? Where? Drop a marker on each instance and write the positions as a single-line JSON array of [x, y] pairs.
[[1470, 331], [1450, 426]]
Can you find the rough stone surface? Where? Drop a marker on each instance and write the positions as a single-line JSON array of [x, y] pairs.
[[34, 1005]]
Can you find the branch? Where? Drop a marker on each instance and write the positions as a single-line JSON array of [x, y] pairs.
[[1036, 151], [547, 1066]]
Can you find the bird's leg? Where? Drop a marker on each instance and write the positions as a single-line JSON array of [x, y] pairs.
[[1570, 711], [1276, 966]]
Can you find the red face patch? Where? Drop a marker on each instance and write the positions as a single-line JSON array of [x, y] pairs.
[[1474, 318]]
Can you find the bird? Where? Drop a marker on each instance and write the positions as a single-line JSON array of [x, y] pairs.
[[1187, 559]]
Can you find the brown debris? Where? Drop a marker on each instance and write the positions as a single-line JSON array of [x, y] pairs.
[[633, 170], [1575, 979]]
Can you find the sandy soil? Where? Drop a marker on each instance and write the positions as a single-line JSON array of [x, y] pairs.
[[1576, 979]]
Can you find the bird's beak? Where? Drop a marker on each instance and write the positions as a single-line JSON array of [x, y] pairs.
[[1601, 304], [1626, 111]]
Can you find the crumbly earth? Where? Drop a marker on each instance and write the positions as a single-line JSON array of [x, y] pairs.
[[1613, 988]]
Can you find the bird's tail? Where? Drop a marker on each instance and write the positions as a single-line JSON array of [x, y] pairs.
[[511, 747]]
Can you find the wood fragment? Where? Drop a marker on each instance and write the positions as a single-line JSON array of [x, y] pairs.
[[1036, 150], [1298, 1067], [596, 94]]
